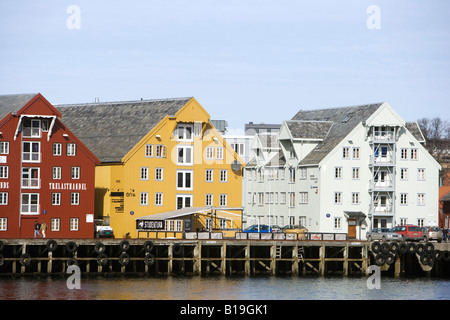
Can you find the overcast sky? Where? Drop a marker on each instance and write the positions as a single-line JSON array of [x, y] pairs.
[[246, 60]]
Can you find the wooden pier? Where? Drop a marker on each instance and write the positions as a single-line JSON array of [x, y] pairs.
[[222, 257]]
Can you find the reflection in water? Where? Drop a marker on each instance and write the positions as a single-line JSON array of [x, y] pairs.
[[221, 288]]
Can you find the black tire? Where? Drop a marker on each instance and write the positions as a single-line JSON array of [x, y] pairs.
[[427, 259], [25, 259], [446, 255], [2, 259], [149, 259], [420, 249], [394, 247], [437, 255], [429, 247], [375, 247], [102, 259], [124, 245], [402, 247], [71, 246], [390, 258], [51, 245], [176, 248], [148, 246], [124, 259], [2, 245], [72, 262], [411, 248], [99, 248], [385, 248], [380, 259]]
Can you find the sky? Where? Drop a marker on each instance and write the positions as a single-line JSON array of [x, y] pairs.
[[244, 61]]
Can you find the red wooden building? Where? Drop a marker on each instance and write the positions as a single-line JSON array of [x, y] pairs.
[[46, 173]]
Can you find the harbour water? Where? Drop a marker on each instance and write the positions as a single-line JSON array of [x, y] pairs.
[[222, 288]]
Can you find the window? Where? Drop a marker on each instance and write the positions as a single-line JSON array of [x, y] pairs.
[[338, 198], [75, 198], [222, 223], [173, 225], [184, 179], [303, 197], [144, 173], [29, 203], [291, 199], [30, 178], [3, 198], [56, 199], [209, 175], [355, 153], [223, 175], [31, 152], [345, 153], [4, 147], [144, 199], [184, 155], [31, 128], [219, 153], [159, 174], [355, 198], [404, 174], [208, 200], [223, 200], [74, 224], [260, 198], [355, 173], [238, 147], [148, 150], [71, 149], [184, 132], [421, 174], [158, 199], [57, 149], [403, 198], [184, 201], [414, 154], [281, 174], [4, 172], [3, 224], [404, 154], [160, 151], [302, 173], [292, 175], [282, 197], [292, 152], [209, 153], [420, 222], [55, 224], [337, 223], [421, 199], [338, 172], [197, 128], [403, 221], [75, 173], [56, 173]]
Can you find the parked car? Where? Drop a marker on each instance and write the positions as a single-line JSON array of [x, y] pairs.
[[409, 232], [103, 229], [433, 233], [276, 228], [294, 229], [384, 234], [258, 228]]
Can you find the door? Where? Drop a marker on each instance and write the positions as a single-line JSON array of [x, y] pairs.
[[351, 228]]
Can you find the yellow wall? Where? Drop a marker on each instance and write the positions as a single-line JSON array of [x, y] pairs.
[[127, 177]]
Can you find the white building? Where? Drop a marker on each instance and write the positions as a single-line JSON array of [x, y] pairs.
[[343, 170]]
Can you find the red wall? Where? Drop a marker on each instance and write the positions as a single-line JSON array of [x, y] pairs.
[[22, 226]]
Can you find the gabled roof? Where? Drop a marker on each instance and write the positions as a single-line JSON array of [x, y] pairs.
[[344, 120], [112, 129], [414, 128], [14, 102], [309, 130]]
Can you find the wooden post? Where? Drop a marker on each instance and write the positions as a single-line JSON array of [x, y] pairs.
[[295, 262], [223, 268], [247, 259], [345, 265], [273, 261], [170, 262], [50, 262], [322, 260], [196, 268]]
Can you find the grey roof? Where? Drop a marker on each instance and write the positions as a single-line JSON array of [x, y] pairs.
[[309, 129], [13, 102], [111, 129], [344, 120], [414, 128], [268, 140], [277, 160]]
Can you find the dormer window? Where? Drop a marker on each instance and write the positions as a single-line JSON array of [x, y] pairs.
[[31, 128], [184, 132]]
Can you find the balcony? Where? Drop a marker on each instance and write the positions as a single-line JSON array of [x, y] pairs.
[[31, 183], [382, 210], [383, 136], [382, 160], [381, 185]]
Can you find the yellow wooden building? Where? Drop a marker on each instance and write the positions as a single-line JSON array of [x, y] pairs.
[[159, 156]]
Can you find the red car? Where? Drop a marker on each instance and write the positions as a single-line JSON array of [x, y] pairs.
[[409, 232]]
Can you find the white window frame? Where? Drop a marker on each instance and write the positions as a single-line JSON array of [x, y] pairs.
[[421, 174], [187, 158], [56, 199], [414, 153], [209, 153], [3, 198], [4, 147], [144, 173], [184, 197], [338, 173], [29, 182], [149, 150], [355, 153], [74, 224], [160, 151], [159, 198], [403, 199], [71, 149], [74, 198], [338, 197], [159, 174], [55, 224], [337, 223], [209, 175], [4, 172], [219, 153], [29, 205], [291, 199], [56, 173], [143, 199], [404, 154], [356, 198], [303, 197], [184, 174], [209, 200], [3, 224], [75, 173], [421, 199], [355, 173], [224, 175], [345, 153], [185, 132], [404, 174], [57, 149], [223, 199], [32, 154]]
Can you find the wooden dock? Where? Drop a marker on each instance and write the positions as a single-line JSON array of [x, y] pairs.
[[222, 257]]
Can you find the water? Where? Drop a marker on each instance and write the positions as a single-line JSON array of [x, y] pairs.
[[222, 288]]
